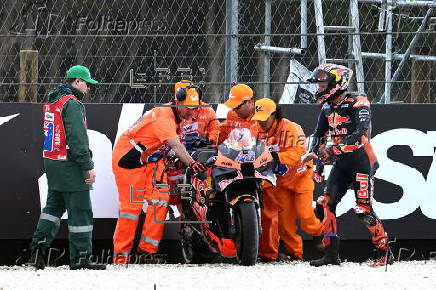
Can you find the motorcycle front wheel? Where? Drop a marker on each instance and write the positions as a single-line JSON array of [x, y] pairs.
[[247, 233]]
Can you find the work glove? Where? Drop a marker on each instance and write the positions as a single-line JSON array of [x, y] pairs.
[[198, 167], [276, 159], [279, 168], [275, 156]]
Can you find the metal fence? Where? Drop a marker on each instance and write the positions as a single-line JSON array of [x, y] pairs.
[[137, 49]]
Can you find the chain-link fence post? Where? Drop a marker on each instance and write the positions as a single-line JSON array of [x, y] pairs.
[[232, 44], [356, 47], [388, 63], [266, 56], [303, 24], [320, 31], [28, 76]]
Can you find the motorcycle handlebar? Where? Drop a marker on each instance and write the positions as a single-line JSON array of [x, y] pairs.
[[208, 165]]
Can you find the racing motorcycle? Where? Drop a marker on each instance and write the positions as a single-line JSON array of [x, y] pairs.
[[220, 208]]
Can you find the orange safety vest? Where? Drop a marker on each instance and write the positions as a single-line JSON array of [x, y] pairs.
[[154, 150]]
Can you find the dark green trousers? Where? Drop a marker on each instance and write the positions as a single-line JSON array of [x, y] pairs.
[[78, 206]]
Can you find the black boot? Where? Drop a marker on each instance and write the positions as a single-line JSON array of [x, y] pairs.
[[383, 257], [286, 257], [331, 256], [90, 266], [37, 259]]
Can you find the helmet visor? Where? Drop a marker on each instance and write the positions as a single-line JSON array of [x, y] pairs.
[[320, 75]]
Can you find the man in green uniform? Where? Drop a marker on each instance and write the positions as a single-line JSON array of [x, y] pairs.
[[70, 172]]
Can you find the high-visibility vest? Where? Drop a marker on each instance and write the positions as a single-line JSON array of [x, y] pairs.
[[129, 139], [55, 140], [279, 139]]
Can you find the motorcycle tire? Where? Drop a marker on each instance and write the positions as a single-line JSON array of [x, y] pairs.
[[247, 233]]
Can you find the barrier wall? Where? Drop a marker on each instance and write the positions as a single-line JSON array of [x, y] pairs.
[[404, 138]]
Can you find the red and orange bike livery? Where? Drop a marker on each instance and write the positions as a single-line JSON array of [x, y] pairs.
[[221, 211]]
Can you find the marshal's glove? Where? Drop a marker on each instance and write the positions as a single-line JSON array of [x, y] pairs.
[[275, 156], [198, 167], [278, 168]]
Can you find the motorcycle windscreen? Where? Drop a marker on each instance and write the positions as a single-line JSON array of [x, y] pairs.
[[240, 139], [241, 147]]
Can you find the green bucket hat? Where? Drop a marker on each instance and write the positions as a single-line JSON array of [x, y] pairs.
[[80, 72]]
